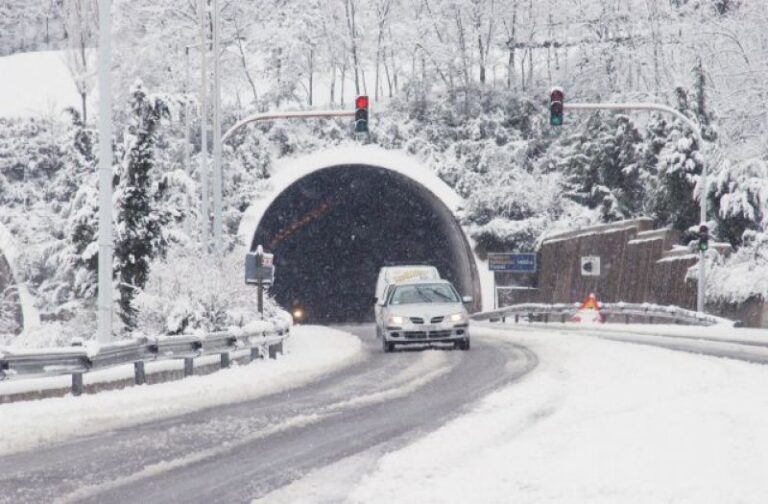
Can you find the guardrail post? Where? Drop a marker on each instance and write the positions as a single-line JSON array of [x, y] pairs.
[[562, 318], [650, 320], [517, 318], [280, 347], [503, 319], [626, 318], [273, 351], [77, 384], [255, 354], [189, 366], [546, 318], [140, 377], [224, 360]]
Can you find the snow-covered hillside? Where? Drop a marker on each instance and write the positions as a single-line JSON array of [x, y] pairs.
[[36, 84]]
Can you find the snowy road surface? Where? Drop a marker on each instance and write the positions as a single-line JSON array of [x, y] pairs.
[[235, 452]]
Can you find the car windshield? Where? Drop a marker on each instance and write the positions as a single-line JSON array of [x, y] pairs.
[[426, 293]]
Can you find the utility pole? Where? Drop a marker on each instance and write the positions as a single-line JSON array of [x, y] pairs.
[[105, 174], [204, 213], [696, 129], [187, 134], [217, 183]]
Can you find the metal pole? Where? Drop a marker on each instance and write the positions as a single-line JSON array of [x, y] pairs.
[[696, 129], [217, 216], [187, 134], [204, 216], [260, 299], [105, 174]]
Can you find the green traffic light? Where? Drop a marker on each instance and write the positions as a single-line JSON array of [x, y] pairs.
[[556, 120], [703, 246]]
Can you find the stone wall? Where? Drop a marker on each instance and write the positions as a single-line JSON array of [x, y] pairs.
[[637, 265]]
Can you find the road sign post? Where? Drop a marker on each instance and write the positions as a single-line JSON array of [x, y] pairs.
[[510, 262], [259, 271]]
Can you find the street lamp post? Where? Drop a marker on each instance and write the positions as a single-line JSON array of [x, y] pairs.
[[217, 172], [204, 216], [104, 301]]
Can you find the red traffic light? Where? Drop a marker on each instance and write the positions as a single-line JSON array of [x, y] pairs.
[[361, 102], [556, 95]]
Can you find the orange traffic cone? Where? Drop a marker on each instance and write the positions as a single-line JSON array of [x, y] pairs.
[[589, 311]]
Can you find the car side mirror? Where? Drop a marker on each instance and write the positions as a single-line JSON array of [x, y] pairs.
[[467, 299], [375, 300]]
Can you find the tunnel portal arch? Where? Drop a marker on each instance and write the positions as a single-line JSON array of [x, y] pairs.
[[333, 219]]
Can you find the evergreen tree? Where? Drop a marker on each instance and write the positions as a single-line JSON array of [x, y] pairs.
[[681, 163], [139, 229], [655, 139], [604, 170], [741, 200]]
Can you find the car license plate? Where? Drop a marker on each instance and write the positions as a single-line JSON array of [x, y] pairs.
[[429, 327]]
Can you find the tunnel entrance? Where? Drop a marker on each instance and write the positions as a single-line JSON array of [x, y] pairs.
[[332, 230]]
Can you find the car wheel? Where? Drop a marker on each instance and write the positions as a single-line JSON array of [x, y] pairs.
[[378, 332], [464, 344], [387, 346]]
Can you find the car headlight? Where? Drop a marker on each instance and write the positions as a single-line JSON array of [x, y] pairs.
[[458, 317], [396, 320]]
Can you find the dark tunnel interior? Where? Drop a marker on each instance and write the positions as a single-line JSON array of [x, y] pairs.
[[332, 230]]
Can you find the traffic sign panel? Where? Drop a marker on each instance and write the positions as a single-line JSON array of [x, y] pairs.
[[516, 262]]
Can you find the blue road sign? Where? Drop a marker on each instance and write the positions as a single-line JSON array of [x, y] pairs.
[[512, 262]]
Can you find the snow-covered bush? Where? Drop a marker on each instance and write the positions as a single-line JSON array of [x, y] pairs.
[[191, 292], [744, 274], [741, 199]]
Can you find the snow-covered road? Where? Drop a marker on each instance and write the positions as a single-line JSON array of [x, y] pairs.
[[238, 451], [597, 422]]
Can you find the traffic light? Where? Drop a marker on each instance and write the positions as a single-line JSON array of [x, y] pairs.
[[703, 238], [361, 114], [556, 99]]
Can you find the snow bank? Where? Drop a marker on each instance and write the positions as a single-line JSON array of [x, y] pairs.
[[36, 83], [596, 422], [310, 352]]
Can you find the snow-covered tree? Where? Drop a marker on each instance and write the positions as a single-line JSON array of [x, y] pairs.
[[604, 170], [679, 172], [81, 21], [741, 200], [139, 233]]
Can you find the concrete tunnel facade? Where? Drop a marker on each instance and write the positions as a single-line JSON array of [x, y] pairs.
[[333, 219]]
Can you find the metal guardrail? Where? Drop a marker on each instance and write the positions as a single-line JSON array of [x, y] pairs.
[[78, 360], [614, 312]]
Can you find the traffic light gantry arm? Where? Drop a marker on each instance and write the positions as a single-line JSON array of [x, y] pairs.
[[295, 114]]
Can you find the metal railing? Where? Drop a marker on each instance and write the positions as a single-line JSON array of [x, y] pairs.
[[613, 312], [78, 359]]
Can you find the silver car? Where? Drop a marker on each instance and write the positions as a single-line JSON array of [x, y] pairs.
[[421, 312]]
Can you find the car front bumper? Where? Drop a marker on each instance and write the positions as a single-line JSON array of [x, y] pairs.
[[416, 334]]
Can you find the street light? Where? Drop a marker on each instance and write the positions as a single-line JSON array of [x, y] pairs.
[[105, 174]]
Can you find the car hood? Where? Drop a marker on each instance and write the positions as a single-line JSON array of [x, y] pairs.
[[426, 310]]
